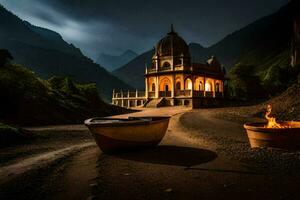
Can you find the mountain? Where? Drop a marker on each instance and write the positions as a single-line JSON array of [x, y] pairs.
[[264, 44], [133, 72], [198, 52], [46, 53], [112, 62], [29, 100]]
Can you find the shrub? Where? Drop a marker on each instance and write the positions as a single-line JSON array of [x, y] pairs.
[[244, 84], [5, 57]]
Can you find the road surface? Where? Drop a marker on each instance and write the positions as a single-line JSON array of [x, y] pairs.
[[201, 157]]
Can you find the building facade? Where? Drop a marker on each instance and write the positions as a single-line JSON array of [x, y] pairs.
[[174, 80]]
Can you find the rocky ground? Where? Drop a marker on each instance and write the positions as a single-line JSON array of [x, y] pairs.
[[204, 155]]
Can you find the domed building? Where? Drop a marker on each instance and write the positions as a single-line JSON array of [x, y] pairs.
[[174, 80]]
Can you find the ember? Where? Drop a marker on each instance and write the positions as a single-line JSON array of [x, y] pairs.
[[272, 120]]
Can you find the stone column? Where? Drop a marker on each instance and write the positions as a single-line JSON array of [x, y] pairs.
[[173, 86], [146, 88], [214, 88], [204, 87], [193, 82], [222, 86], [122, 99], [157, 88]]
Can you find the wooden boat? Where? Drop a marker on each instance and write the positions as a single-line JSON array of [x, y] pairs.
[[112, 134], [286, 138]]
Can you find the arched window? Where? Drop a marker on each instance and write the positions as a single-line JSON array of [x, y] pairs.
[[200, 86], [178, 86], [166, 65], [188, 84], [153, 87], [217, 87], [166, 88]]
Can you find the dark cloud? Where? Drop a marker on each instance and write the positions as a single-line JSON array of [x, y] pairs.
[[112, 26]]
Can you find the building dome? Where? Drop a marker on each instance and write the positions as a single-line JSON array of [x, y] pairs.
[[172, 45]]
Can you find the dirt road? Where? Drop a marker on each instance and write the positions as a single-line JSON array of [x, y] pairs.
[[201, 157]]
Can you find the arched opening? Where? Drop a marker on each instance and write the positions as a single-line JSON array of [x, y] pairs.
[[166, 88], [153, 87], [208, 87], [186, 102], [200, 86], [188, 84], [178, 86], [131, 103], [217, 87], [166, 65]]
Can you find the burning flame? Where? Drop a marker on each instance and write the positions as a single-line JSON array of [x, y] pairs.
[[272, 120]]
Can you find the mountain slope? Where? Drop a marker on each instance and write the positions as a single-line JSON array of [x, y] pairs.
[[47, 54], [111, 62], [133, 72], [264, 43], [28, 100], [258, 42]]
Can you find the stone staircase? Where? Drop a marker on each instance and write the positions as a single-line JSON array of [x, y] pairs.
[[155, 103]]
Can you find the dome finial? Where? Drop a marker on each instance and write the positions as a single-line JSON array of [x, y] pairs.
[[172, 28]]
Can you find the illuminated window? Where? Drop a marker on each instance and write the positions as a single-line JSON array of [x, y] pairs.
[[208, 87], [188, 84]]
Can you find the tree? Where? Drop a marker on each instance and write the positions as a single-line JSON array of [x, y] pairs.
[[5, 56], [244, 84]]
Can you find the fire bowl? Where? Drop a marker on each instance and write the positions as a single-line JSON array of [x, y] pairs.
[[284, 138]]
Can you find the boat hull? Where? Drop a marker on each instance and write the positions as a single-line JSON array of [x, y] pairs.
[[115, 137], [284, 138]]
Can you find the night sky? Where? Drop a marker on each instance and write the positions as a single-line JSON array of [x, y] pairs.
[[111, 26]]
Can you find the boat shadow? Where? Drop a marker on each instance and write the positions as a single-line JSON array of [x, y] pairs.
[[170, 155]]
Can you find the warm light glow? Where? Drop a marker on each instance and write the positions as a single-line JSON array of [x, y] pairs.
[[208, 87], [188, 84], [272, 120]]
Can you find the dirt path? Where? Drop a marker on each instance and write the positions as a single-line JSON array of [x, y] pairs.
[[201, 157], [38, 161], [80, 176], [75, 174]]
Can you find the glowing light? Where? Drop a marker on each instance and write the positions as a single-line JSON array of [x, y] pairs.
[[208, 87], [190, 85], [272, 120]]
